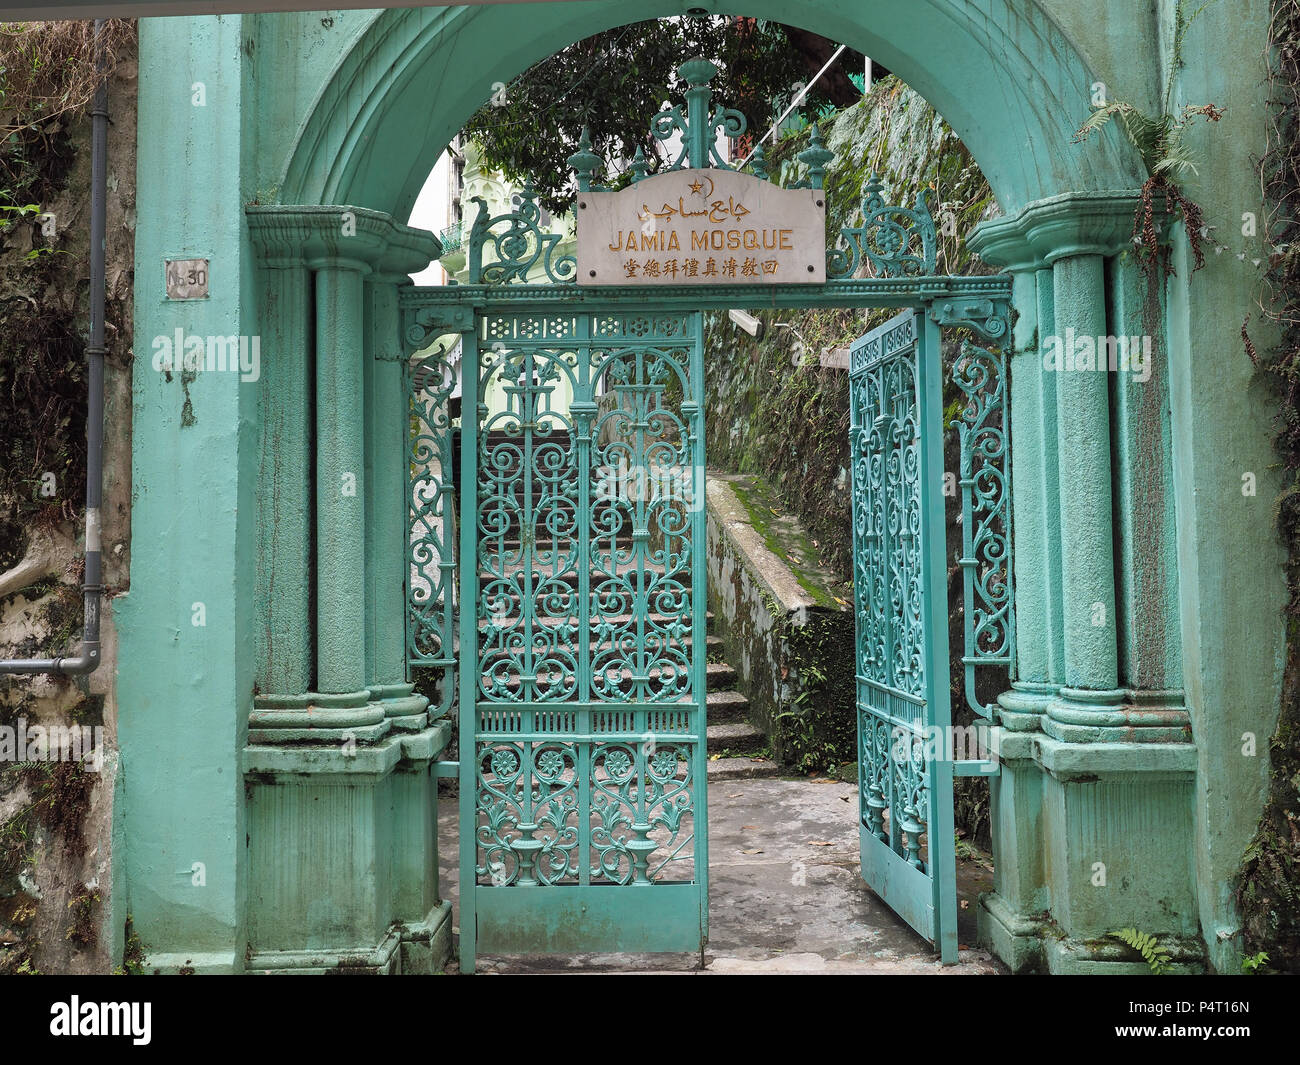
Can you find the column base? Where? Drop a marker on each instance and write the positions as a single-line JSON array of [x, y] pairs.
[[1016, 938], [1099, 836], [217, 963], [405, 710], [1119, 715], [364, 716], [342, 867], [1096, 957], [1022, 708], [426, 947], [415, 950]]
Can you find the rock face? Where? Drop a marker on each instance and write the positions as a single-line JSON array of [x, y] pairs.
[[785, 624], [775, 409], [56, 815]]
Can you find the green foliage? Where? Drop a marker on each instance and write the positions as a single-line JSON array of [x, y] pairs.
[[818, 730], [614, 82], [47, 75], [1256, 964], [1159, 140], [82, 906], [1268, 882], [9, 213], [133, 953], [1157, 958]]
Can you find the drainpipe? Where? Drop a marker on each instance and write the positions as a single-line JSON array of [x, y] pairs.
[[92, 589]]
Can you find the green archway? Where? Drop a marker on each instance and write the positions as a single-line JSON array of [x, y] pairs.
[[413, 77]]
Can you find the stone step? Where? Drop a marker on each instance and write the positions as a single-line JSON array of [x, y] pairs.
[[735, 737], [722, 770], [726, 706], [722, 675]]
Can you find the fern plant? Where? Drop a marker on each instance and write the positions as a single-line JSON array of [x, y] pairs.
[[1157, 958], [1159, 140]]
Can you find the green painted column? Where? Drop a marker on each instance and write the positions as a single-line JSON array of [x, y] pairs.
[[339, 779], [333, 475], [340, 477], [387, 507], [1150, 641], [1083, 457], [1034, 487], [286, 655], [1050, 479], [1081, 441], [1033, 496]]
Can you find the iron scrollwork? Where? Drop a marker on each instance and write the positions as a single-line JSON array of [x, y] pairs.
[[893, 241], [990, 318], [519, 248], [985, 515], [431, 493], [589, 719]]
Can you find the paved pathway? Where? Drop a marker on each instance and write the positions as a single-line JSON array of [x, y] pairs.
[[785, 893]]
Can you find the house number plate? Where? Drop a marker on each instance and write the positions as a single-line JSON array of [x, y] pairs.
[[187, 279]]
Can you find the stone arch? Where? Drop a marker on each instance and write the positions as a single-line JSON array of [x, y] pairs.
[[372, 136]]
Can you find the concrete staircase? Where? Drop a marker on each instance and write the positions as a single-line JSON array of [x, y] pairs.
[[732, 740]]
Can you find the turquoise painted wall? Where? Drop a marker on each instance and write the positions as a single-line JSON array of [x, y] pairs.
[[1229, 557], [353, 107], [185, 690]]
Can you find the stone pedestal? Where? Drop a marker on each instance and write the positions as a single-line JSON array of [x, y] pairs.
[[340, 789], [1093, 811]]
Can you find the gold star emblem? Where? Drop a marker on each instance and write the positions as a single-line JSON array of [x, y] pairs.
[[697, 186]]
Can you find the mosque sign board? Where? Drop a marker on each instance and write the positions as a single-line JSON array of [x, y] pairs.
[[702, 227]]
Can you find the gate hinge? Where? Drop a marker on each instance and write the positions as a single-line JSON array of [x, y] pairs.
[[986, 316], [423, 325]]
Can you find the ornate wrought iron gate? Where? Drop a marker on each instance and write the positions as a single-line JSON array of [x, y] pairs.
[[572, 637], [582, 756], [904, 769]]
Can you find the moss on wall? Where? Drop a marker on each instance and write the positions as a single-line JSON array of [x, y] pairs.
[[785, 626]]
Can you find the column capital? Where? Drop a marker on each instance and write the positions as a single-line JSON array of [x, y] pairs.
[[1073, 223], [353, 238]]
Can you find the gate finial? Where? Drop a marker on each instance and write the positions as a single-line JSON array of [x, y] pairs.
[[697, 73], [584, 161], [700, 125], [638, 166], [815, 157]]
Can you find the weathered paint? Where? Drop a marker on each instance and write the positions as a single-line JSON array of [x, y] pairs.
[[316, 109], [185, 689]]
